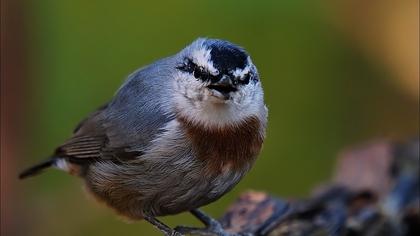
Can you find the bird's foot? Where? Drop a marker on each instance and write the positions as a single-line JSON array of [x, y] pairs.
[[174, 233], [208, 231], [213, 227], [166, 230]]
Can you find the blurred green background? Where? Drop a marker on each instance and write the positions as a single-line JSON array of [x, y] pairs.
[[333, 76]]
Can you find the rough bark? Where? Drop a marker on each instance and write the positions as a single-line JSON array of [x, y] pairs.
[[374, 191]]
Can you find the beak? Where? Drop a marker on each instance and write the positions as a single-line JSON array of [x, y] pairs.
[[224, 86], [225, 81]]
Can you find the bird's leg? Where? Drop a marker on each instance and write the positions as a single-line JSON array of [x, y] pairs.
[[161, 226], [213, 227]]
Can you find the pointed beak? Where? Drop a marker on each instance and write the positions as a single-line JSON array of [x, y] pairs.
[[224, 81], [224, 86]]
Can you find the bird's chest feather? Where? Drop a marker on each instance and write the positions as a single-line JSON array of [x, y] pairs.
[[229, 148]]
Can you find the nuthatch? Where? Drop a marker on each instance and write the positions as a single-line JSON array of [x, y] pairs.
[[178, 134]]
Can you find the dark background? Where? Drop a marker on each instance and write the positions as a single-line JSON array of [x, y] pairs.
[[335, 73]]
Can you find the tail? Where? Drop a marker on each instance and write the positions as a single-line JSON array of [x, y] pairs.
[[37, 169]]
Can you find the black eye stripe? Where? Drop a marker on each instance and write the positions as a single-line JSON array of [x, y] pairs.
[[187, 66], [245, 79], [202, 74], [197, 71]]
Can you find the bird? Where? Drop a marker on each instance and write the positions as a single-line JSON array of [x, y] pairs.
[[177, 135]]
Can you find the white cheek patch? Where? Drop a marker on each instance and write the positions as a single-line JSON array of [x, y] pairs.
[[202, 57], [188, 86]]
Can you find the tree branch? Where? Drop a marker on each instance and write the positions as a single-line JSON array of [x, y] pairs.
[[375, 191]]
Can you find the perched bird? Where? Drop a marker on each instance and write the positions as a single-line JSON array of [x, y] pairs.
[[177, 135]]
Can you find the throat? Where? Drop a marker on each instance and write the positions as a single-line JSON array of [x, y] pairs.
[[230, 147], [213, 112]]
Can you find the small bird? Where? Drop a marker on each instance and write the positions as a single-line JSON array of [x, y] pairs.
[[178, 134]]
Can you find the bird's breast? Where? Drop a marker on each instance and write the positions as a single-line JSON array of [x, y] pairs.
[[228, 148]]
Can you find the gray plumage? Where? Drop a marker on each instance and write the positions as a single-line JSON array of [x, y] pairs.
[[173, 138]]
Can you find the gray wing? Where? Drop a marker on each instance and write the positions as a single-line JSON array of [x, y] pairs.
[[124, 127]]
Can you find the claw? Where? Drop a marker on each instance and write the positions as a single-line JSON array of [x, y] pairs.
[[213, 227], [176, 233], [194, 231], [208, 231]]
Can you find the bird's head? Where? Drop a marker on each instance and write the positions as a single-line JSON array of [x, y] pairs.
[[217, 83]]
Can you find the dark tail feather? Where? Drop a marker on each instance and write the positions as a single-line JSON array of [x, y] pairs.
[[36, 169]]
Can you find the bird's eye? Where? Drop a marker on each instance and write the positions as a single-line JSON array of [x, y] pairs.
[[198, 72], [188, 66], [245, 79]]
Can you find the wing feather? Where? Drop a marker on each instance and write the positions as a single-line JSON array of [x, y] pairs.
[[122, 128]]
